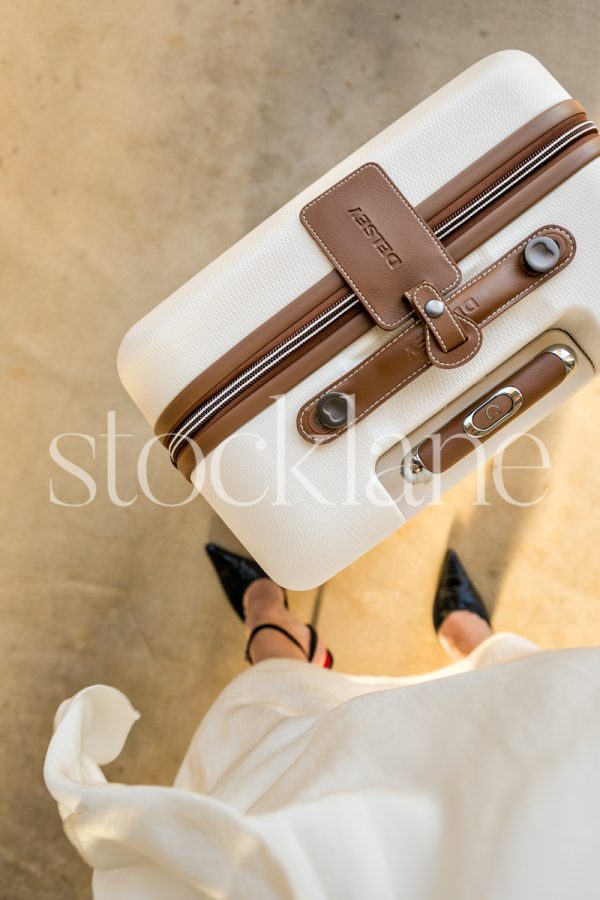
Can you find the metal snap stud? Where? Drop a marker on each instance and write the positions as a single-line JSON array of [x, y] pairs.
[[434, 308], [333, 410], [541, 254]]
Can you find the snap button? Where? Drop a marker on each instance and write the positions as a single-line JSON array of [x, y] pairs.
[[434, 308], [541, 254], [333, 410]]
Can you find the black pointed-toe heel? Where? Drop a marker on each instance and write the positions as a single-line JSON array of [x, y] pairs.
[[456, 591], [236, 573]]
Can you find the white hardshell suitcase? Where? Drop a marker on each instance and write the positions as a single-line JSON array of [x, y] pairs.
[[305, 493]]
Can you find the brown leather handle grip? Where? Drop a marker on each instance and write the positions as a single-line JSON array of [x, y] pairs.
[[482, 418]]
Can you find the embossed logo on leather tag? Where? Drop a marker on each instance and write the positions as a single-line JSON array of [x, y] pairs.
[[375, 237], [378, 242]]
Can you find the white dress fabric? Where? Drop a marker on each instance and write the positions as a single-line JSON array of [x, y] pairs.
[[478, 781]]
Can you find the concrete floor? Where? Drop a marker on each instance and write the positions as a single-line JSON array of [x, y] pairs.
[[139, 141]]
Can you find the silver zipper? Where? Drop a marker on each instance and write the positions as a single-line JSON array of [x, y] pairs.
[[511, 178], [207, 410], [194, 422]]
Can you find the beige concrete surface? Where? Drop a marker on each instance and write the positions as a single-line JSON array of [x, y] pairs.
[[138, 141]]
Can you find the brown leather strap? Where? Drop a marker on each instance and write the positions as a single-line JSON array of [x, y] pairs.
[[451, 339], [403, 358], [378, 242]]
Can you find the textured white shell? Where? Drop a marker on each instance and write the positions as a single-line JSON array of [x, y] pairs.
[[303, 541]]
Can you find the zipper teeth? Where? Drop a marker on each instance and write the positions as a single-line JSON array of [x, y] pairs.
[[517, 173], [245, 379], [208, 409]]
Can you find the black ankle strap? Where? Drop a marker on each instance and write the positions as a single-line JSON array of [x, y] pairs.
[[313, 641], [272, 627]]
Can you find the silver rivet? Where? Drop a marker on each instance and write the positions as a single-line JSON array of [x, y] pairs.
[[541, 254], [434, 308], [333, 410]]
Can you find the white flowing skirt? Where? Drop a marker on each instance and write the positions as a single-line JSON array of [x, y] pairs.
[[481, 781]]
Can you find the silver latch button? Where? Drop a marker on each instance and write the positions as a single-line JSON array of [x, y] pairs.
[[434, 308], [493, 412]]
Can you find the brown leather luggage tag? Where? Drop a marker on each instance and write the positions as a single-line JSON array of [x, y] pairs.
[[378, 243]]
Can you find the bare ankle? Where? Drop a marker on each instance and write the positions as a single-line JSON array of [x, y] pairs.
[[264, 604], [262, 599]]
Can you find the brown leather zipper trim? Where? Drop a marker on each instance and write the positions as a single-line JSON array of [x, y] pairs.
[[487, 183], [305, 307], [439, 207], [229, 421], [497, 160], [325, 291], [537, 186], [250, 404]]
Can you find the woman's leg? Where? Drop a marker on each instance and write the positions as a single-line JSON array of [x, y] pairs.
[[264, 603]]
